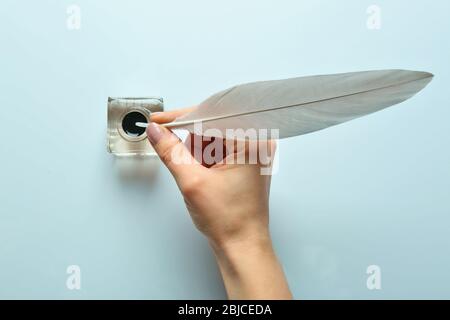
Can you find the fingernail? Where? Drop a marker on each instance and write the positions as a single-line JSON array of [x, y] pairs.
[[154, 133]]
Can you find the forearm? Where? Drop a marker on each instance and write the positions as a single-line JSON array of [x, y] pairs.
[[228, 203], [250, 269]]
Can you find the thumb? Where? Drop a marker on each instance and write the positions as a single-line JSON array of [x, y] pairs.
[[172, 152]]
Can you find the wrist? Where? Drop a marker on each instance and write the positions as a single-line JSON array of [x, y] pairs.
[[238, 253], [250, 268], [255, 240]]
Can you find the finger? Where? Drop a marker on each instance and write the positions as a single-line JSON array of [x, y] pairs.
[[172, 152], [169, 116]]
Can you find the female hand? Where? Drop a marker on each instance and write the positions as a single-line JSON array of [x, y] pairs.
[[229, 203]]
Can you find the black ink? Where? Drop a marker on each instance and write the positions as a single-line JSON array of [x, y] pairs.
[[129, 123]]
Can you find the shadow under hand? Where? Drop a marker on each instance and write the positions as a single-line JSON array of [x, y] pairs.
[[137, 170]]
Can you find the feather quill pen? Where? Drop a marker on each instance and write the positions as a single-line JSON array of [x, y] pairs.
[[298, 106]]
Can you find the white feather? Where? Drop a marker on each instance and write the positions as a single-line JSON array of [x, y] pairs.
[[301, 105]]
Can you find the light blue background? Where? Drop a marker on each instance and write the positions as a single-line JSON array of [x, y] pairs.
[[372, 191]]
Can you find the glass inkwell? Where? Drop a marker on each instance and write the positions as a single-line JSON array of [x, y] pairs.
[[124, 137]]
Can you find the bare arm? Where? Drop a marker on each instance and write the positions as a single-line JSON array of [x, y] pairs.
[[229, 204]]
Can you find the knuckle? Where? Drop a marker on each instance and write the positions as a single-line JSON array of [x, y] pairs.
[[167, 151], [273, 143], [166, 155], [192, 186]]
